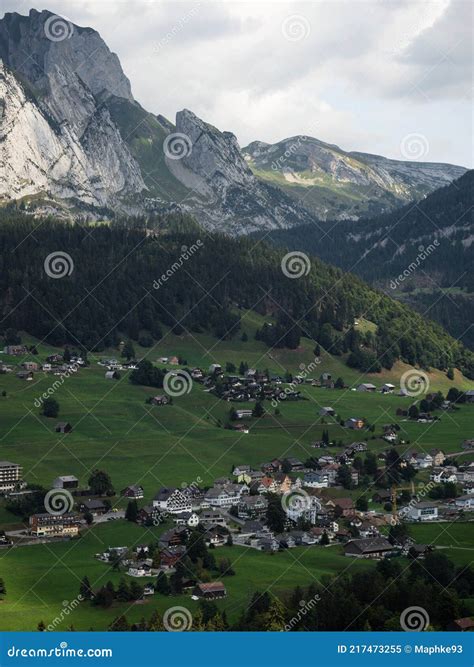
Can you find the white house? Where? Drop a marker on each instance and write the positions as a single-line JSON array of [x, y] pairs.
[[173, 501], [424, 511], [465, 502]]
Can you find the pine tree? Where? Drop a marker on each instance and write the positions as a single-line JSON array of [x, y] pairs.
[[85, 589], [162, 584], [131, 513]]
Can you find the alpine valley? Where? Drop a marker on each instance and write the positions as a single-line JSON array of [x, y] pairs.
[[213, 401]]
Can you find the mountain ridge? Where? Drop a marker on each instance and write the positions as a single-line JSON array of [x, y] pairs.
[[86, 148]]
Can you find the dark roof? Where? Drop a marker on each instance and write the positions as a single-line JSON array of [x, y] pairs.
[[368, 545]]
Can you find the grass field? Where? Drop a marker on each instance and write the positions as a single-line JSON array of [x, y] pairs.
[[116, 430]]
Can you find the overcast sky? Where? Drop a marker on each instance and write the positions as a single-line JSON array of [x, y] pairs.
[[363, 74]]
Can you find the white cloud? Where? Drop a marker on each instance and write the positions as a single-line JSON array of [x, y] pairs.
[[365, 73]]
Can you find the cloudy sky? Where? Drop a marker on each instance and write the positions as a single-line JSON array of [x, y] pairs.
[[363, 74]]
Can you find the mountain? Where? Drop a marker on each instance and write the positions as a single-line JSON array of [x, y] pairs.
[[72, 132], [421, 253], [74, 140], [119, 277], [334, 184]]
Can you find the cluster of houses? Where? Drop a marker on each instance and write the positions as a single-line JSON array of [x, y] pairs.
[[54, 364]]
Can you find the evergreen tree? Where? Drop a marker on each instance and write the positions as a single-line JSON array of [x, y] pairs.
[[50, 407], [131, 513], [162, 584]]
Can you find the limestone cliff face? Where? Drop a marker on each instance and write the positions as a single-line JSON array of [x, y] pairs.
[[56, 136], [71, 133]]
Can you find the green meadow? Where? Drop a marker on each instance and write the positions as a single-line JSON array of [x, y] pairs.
[[116, 430]]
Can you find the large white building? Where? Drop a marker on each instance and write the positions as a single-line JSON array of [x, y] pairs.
[[10, 476]]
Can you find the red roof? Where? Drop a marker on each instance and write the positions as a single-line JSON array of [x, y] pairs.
[[212, 587]]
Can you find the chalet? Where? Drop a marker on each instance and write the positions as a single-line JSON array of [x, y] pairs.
[[169, 556], [344, 505], [66, 482], [327, 412], [438, 457], [190, 519], [325, 460], [30, 366], [54, 525], [285, 540], [63, 427], [251, 507], [316, 479], [292, 464], [366, 386], [215, 369], [139, 570], [238, 470], [197, 374], [267, 544], [384, 496], [149, 589], [216, 536], [354, 423], [15, 350], [172, 501], [149, 515], [95, 507], [358, 447], [373, 547], [423, 511], [25, 375], [160, 400], [417, 551], [132, 491], [174, 537], [387, 388], [465, 502], [303, 537], [210, 591], [469, 395], [423, 461], [283, 483], [274, 466], [462, 625]]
